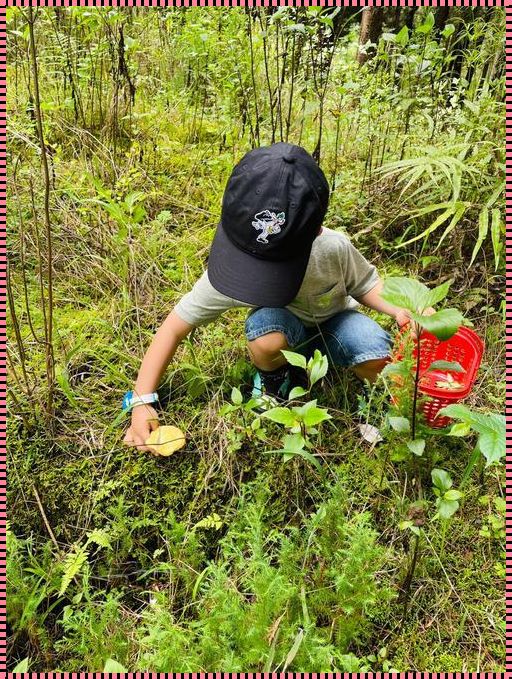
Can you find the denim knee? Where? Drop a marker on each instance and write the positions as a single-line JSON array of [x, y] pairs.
[[266, 319], [352, 338]]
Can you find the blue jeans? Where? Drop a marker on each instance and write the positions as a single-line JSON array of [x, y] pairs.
[[349, 338]]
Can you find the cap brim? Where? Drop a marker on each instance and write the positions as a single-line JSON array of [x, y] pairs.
[[252, 280]]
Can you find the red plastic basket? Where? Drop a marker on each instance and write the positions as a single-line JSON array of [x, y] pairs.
[[466, 348]]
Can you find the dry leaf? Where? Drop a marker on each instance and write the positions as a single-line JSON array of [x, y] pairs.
[[450, 385], [166, 440]]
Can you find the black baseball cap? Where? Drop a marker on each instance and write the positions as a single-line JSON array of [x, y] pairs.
[[273, 206]]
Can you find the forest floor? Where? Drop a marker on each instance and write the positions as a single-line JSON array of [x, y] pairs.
[[86, 480]]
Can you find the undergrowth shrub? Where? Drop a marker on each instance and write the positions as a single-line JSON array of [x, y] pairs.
[[298, 597], [295, 598]]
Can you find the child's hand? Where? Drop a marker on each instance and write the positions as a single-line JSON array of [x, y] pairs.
[[144, 421], [403, 317]]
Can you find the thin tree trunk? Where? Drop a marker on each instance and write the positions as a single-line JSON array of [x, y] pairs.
[[409, 17], [371, 28], [254, 87], [50, 364], [267, 75], [396, 19], [440, 18]]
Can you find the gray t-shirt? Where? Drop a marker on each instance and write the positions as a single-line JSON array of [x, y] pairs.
[[336, 274]]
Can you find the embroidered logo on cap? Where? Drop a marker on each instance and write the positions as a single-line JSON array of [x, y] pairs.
[[268, 223]]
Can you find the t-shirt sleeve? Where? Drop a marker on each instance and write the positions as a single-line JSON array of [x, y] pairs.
[[360, 275], [203, 304]]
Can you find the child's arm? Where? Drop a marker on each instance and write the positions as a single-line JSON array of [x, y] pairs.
[[373, 300], [163, 347]]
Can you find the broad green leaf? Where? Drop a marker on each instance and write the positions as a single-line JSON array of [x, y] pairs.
[[452, 366], [452, 495], [402, 37], [491, 428], [303, 409], [397, 368], [294, 443], [113, 667], [438, 294], [327, 21], [447, 508], [317, 367], [9, 15], [483, 228], [492, 443], [500, 505], [458, 411], [315, 416], [441, 479], [297, 392], [295, 359], [460, 429], [448, 30], [406, 293], [443, 324], [252, 403], [226, 408], [281, 416], [236, 396], [400, 424], [310, 458], [426, 27], [21, 667], [417, 446]]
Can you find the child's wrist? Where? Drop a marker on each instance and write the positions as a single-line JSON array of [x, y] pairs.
[[133, 399]]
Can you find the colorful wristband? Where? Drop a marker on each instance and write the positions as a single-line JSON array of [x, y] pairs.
[[130, 401]]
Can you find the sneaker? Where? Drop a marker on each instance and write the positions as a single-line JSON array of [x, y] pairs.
[[298, 377], [273, 385]]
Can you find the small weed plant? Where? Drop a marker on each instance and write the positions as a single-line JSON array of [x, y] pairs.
[[300, 422]]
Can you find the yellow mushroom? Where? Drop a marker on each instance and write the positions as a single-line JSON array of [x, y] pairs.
[[166, 440]]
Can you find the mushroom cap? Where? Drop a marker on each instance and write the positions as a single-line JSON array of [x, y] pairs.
[[166, 440]]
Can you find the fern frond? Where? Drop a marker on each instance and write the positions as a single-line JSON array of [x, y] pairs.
[[73, 564]]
